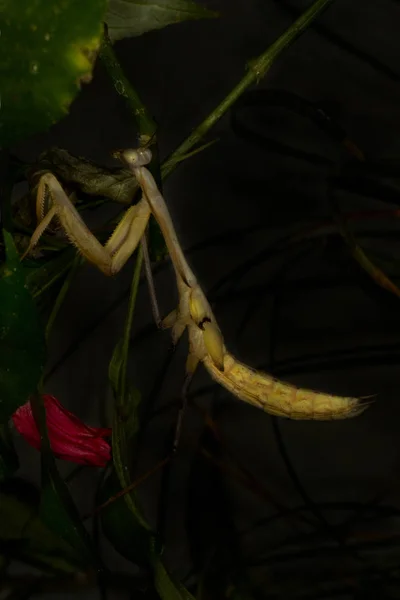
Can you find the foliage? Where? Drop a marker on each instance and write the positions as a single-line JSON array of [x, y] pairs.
[[51, 48], [126, 18], [22, 342]]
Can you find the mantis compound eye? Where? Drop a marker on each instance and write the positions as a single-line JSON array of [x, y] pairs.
[[136, 158]]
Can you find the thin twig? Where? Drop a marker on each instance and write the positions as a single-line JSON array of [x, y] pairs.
[[123, 87], [132, 486], [257, 69]]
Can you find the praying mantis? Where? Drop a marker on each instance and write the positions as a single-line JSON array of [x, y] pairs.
[[206, 343]]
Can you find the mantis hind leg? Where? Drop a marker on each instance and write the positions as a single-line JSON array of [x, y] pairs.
[[150, 284]]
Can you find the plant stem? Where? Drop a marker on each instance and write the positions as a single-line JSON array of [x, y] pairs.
[[129, 316], [144, 121], [146, 124], [257, 69], [76, 263]]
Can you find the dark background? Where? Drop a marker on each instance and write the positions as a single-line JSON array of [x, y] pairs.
[[182, 72]]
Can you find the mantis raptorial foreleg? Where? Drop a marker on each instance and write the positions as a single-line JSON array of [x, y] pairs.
[[206, 343], [109, 258]]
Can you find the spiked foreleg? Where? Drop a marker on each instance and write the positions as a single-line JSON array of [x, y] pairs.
[[120, 246]]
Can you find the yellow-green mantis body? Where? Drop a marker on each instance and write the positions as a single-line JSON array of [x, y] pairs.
[[206, 342]]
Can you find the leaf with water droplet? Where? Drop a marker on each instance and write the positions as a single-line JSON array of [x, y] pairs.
[[22, 342], [129, 18], [48, 50]]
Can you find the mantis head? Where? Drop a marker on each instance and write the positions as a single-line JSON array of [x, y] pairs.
[[134, 158]]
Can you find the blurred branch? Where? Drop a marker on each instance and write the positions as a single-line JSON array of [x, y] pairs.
[[258, 68], [123, 87]]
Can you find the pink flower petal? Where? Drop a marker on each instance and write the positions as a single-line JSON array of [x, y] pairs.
[[70, 438]]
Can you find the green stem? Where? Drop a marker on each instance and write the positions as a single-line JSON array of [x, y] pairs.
[[62, 293], [129, 318], [146, 124], [257, 69], [51, 282]]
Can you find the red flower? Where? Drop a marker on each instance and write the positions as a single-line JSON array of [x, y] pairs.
[[70, 439]]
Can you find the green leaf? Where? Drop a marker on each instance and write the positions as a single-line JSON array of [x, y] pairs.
[[129, 18], [22, 530], [22, 344], [236, 593], [117, 184], [9, 462], [59, 513], [48, 50], [126, 534]]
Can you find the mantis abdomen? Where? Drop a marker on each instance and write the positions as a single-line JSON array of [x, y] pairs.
[[206, 342], [280, 398]]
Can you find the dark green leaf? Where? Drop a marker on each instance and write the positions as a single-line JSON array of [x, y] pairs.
[[235, 593], [22, 344], [117, 184], [21, 527], [126, 534], [129, 18], [59, 513], [8, 457], [48, 50]]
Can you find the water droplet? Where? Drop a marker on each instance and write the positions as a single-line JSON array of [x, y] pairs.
[[119, 86], [47, 37], [34, 67]]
